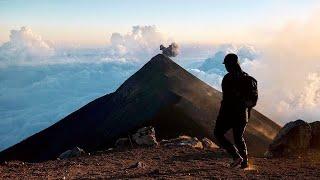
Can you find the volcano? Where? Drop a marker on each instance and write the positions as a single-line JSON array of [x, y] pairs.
[[161, 94]]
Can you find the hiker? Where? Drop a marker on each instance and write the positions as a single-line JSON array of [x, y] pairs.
[[239, 96]]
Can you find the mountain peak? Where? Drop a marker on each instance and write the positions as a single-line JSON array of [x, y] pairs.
[[160, 62], [154, 73], [160, 58]]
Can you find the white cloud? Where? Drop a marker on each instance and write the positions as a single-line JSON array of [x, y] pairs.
[[24, 45], [34, 97], [289, 73], [214, 63], [140, 44], [212, 79]]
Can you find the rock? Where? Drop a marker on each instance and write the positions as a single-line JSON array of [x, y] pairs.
[[75, 152], [145, 136], [315, 132], [268, 154], [183, 141], [155, 172], [122, 143], [138, 165], [293, 138], [208, 144]]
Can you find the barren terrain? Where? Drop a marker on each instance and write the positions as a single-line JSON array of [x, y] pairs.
[[164, 163]]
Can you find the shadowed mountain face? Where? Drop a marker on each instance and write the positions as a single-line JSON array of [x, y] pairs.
[[161, 94]]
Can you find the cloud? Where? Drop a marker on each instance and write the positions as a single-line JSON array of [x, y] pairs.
[[214, 63], [25, 45], [289, 73], [34, 97], [27, 48], [140, 44], [212, 79]]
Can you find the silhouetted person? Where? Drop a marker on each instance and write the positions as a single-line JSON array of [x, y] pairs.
[[233, 112]]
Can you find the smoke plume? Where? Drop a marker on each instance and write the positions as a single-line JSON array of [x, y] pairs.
[[172, 50]]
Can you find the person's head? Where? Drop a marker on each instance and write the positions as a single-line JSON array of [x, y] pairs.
[[231, 63]]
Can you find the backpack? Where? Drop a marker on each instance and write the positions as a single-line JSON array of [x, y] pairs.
[[250, 91]]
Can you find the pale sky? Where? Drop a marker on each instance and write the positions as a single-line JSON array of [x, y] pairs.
[[91, 22]]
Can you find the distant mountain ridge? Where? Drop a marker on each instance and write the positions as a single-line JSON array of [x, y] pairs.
[[161, 94]]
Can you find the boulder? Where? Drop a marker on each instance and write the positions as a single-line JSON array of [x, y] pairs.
[[122, 143], [208, 144], [293, 138], [145, 136], [75, 152], [183, 141], [315, 132]]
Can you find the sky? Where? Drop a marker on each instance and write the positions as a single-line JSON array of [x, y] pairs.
[[90, 23]]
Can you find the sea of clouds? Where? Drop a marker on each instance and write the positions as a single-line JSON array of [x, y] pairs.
[[41, 83]]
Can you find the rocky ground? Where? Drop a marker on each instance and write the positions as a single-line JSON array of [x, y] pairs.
[[163, 163]]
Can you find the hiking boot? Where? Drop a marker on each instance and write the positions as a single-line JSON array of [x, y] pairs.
[[236, 162]]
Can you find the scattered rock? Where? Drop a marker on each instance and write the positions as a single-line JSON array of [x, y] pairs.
[[138, 165], [208, 144], [164, 141], [293, 138], [122, 143], [315, 132], [183, 141], [75, 152], [155, 172], [268, 154], [145, 136], [14, 163]]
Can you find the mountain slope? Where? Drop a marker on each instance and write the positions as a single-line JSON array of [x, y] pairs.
[[161, 94]]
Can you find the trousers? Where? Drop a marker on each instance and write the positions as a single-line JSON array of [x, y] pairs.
[[237, 122]]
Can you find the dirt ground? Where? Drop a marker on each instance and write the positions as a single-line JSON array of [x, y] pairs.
[[163, 163]]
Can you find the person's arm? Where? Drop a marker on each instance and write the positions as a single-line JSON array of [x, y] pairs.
[[223, 88], [220, 114]]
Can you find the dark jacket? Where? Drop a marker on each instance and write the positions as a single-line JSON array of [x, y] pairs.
[[232, 104]]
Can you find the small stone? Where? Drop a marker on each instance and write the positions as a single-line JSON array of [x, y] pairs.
[[208, 144], [75, 152], [145, 136], [122, 143], [155, 172], [138, 165], [183, 141]]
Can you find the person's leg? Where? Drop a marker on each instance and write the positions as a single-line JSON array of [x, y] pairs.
[[219, 132], [238, 132]]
